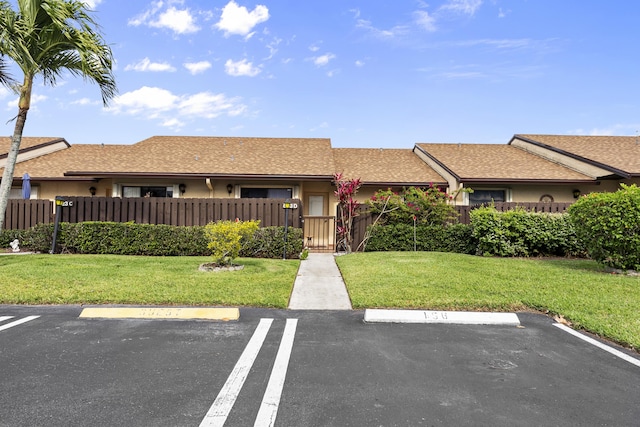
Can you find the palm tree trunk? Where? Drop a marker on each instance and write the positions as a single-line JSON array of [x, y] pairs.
[[16, 139]]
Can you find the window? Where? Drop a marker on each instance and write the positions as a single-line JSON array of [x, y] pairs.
[[486, 196], [147, 191], [316, 205], [265, 193]]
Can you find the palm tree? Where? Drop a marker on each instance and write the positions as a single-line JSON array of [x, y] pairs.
[[49, 38]]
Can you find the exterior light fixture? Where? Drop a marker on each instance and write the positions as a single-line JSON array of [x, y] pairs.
[[92, 190], [229, 188], [182, 188], [576, 194]]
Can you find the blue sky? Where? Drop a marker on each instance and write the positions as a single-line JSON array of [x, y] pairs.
[[364, 73]]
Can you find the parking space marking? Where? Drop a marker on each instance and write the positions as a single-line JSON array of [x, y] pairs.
[[271, 400], [17, 322], [598, 344], [219, 411], [3, 318]]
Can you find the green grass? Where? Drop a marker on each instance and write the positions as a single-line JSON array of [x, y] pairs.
[[578, 290], [113, 279]]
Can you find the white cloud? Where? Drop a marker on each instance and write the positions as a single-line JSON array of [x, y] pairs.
[[173, 123], [158, 103], [86, 101], [396, 31], [424, 20], [359, 63], [147, 65], [91, 4], [180, 21], [241, 68], [238, 20], [197, 67], [149, 101], [468, 7], [322, 60]]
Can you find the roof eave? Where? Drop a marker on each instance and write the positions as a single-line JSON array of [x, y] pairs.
[[277, 177]]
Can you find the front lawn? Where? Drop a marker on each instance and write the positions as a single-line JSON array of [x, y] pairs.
[[578, 290], [116, 279]]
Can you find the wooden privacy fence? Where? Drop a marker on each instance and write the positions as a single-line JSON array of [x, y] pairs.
[[23, 214], [157, 210], [365, 219]]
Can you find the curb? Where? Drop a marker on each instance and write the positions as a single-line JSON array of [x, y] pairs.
[[447, 317], [173, 313]]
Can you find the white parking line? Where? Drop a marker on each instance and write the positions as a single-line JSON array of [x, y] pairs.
[[271, 400], [3, 318], [598, 344], [17, 322], [219, 411]]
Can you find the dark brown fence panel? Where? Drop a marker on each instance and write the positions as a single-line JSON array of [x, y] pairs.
[[24, 214], [157, 210]]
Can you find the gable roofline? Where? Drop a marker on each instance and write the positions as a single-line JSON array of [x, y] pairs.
[[615, 171], [438, 162], [37, 147]]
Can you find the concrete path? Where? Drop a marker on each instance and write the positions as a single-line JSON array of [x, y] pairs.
[[319, 285]]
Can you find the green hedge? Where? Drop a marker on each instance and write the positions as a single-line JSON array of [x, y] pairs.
[[145, 239], [399, 237], [609, 224], [521, 233], [268, 242]]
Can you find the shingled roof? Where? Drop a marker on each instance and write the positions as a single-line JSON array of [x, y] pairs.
[[497, 163], [384, 166], [618, 154], [192, 156]]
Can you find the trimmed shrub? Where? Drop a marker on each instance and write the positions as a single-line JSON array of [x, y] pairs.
[[518, 232], [609, 226], [400, 237], [8, 236], [226, 239], [145, 239], [268, 242]]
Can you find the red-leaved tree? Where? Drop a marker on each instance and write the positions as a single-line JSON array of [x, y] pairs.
[[346, 189]]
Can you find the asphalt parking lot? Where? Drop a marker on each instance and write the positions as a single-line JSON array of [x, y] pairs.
[[305, 368]]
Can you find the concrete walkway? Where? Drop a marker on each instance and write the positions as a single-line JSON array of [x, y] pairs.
[[319, 285]]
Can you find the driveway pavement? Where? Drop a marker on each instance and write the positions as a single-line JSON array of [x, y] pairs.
[[305, 368]]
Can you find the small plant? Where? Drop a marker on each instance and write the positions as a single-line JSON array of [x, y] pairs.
[[304, 254], [226, 238]]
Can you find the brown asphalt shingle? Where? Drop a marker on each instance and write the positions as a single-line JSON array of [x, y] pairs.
[[191, 155], [620, 152], [26, 142], [389, 166], [497, 162]]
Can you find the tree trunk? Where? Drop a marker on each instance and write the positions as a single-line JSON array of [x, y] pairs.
[[7, 176]]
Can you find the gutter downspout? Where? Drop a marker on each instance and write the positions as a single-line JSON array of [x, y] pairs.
[[209, 186]]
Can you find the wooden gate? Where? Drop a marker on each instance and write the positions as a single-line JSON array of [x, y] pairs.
[[320, 233]]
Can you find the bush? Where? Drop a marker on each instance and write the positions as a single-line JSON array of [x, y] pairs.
[[8, 236], [400, 237], [226, 239], [146, 239], [521, 233], [268, 242], [429, 206], [609, 226]]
